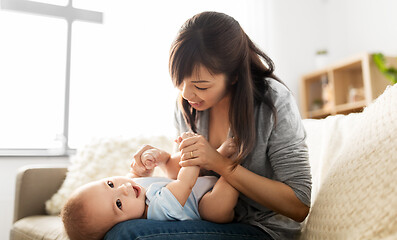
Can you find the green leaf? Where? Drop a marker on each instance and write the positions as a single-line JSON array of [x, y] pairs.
[[389, 72]]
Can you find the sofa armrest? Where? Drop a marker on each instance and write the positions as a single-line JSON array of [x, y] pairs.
[[34, 186]]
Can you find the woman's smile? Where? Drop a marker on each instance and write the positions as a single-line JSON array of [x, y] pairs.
[[196, 104]]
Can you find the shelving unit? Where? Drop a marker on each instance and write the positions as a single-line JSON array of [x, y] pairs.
[[342, 88]]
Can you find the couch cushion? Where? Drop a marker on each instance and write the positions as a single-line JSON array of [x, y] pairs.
[[38, 227], [357, 199], [325, 140]]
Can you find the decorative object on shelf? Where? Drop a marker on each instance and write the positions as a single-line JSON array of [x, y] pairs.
[[321, 58], [326, 93], [346, 86], [316, 104], [389, 71], [356, 95]]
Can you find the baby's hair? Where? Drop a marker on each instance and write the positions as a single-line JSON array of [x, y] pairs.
[[77, 222]]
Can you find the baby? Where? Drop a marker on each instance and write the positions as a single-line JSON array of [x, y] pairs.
[[97, 206]]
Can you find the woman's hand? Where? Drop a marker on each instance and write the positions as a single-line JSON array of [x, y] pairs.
[[146, 159], [185, 135], [197, 151]]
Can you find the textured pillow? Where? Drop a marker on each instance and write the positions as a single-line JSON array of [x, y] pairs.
[[358, 196], [99, 159], [325, 140]]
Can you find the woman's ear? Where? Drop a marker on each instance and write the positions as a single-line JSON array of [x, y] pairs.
[[234, 80]]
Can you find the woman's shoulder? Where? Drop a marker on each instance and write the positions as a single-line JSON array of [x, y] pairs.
[[277, 88], [279, 92]]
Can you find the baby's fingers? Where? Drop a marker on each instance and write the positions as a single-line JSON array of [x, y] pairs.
[[150, 164], [188, 135], [148, 159], [178, 140], [138, 154]]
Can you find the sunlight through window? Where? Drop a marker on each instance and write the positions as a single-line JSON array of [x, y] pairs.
[[119, 80]]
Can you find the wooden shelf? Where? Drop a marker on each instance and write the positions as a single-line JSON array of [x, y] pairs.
[[341, 88], [350, 106], [320, 113]]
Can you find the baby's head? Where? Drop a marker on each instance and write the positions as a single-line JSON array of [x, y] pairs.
[[97, 206]]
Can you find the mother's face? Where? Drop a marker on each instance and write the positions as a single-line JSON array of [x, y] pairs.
[[204, 90]]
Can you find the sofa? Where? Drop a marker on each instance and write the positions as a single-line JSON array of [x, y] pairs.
[[354, 173]]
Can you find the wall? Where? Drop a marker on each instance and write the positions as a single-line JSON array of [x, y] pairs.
[[344, 28]]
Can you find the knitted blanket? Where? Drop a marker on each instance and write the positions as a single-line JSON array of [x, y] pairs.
[[356, 195]]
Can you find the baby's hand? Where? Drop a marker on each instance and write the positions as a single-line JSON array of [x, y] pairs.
[[184, 135], [228, 148], [151, 158]]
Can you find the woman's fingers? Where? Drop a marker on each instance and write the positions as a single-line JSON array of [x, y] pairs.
[[184, 135], [188, 142], [189, 152], [187, 163]]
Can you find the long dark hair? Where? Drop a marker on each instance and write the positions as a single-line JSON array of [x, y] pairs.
[[217, 41]]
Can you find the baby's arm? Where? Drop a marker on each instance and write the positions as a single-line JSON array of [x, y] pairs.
[[186, 179], [183, 185], [171, 167], [169, 164]]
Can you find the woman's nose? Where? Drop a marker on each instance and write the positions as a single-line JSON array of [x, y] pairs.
[[124, 188], [186, 91]]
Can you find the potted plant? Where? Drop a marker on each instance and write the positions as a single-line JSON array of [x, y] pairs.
[[321, 58], [389, 71]]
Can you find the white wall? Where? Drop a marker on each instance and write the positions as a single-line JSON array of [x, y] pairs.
[[343, 27]]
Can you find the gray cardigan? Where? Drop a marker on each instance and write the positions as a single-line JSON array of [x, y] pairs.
[[280, 154]]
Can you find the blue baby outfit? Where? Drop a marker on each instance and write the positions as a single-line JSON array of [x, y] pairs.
[[162, 204]]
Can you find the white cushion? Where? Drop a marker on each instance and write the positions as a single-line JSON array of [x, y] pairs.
[[357, 198], [325, 138]]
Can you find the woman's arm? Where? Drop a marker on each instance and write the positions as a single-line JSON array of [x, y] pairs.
[[272, 194]]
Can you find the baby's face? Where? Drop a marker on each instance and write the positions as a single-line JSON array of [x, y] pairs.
[[113, 200]]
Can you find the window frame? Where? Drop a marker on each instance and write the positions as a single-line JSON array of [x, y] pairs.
[[70, 14]]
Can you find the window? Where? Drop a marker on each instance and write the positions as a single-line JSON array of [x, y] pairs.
[[119, 80]]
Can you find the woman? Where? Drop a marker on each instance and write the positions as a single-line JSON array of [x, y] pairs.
[[228, 90]]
